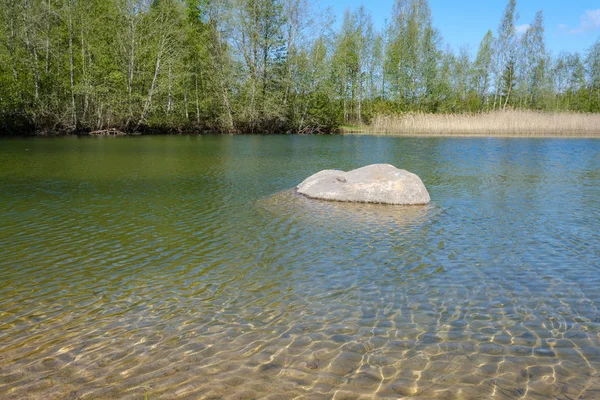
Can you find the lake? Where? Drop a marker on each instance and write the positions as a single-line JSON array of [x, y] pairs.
[[187, 267]]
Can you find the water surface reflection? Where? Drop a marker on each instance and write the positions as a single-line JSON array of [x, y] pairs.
[[183, 267]]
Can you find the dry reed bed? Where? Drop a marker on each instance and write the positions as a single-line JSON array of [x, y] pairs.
[[498, 123]]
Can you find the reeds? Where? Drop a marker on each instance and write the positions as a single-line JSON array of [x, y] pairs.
[[497, 123]]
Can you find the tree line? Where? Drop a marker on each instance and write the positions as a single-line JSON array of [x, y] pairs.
[[268, 66]]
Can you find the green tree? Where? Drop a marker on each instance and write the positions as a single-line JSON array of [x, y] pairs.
[[592, 64], [505, 56], [413, 55], [532, 64], [482, 69]]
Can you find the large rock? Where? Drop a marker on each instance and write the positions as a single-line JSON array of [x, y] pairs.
[[377, 183]]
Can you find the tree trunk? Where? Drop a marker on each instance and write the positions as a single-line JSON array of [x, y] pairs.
[[229, 121], [131, 65], [510, 85], [148, 102], [47, 35], [11, 52], [229, 117], [185, 104], [85, 77], [72, 69], [169, 97], [197, 98], [33, 52], [359, 95]]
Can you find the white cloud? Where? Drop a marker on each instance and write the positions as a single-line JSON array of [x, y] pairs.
[[590, 21], [521, 29]]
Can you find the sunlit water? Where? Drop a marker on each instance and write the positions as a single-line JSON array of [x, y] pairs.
[[185, 267]]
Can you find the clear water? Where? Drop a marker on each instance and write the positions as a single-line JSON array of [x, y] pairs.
[[185, 267]]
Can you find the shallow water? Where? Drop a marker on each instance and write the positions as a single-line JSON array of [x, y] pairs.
[[185, 267]]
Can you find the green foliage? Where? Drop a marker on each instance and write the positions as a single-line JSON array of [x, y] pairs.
[[262, 66], [481, 70], [592, 65]]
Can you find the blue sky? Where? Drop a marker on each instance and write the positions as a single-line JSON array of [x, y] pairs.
[[571, 25]]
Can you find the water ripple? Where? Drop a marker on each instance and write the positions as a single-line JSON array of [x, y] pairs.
[[187, 268]]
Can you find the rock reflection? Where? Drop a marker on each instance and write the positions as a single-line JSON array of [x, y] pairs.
[[290, 204]]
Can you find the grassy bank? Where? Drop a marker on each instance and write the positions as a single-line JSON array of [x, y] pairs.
[[498, 123]]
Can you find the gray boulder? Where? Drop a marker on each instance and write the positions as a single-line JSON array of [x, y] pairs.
[[377, 183]]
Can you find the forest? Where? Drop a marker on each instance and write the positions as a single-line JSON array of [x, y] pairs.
[[264, 66]]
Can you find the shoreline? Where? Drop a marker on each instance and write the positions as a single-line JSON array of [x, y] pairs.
[[493, 124], [509, 123], [475, 135], [342, 132]]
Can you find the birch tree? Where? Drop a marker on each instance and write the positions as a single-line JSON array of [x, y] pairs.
[[482, 69], [505, 56], [532, 61], [592, 64]]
